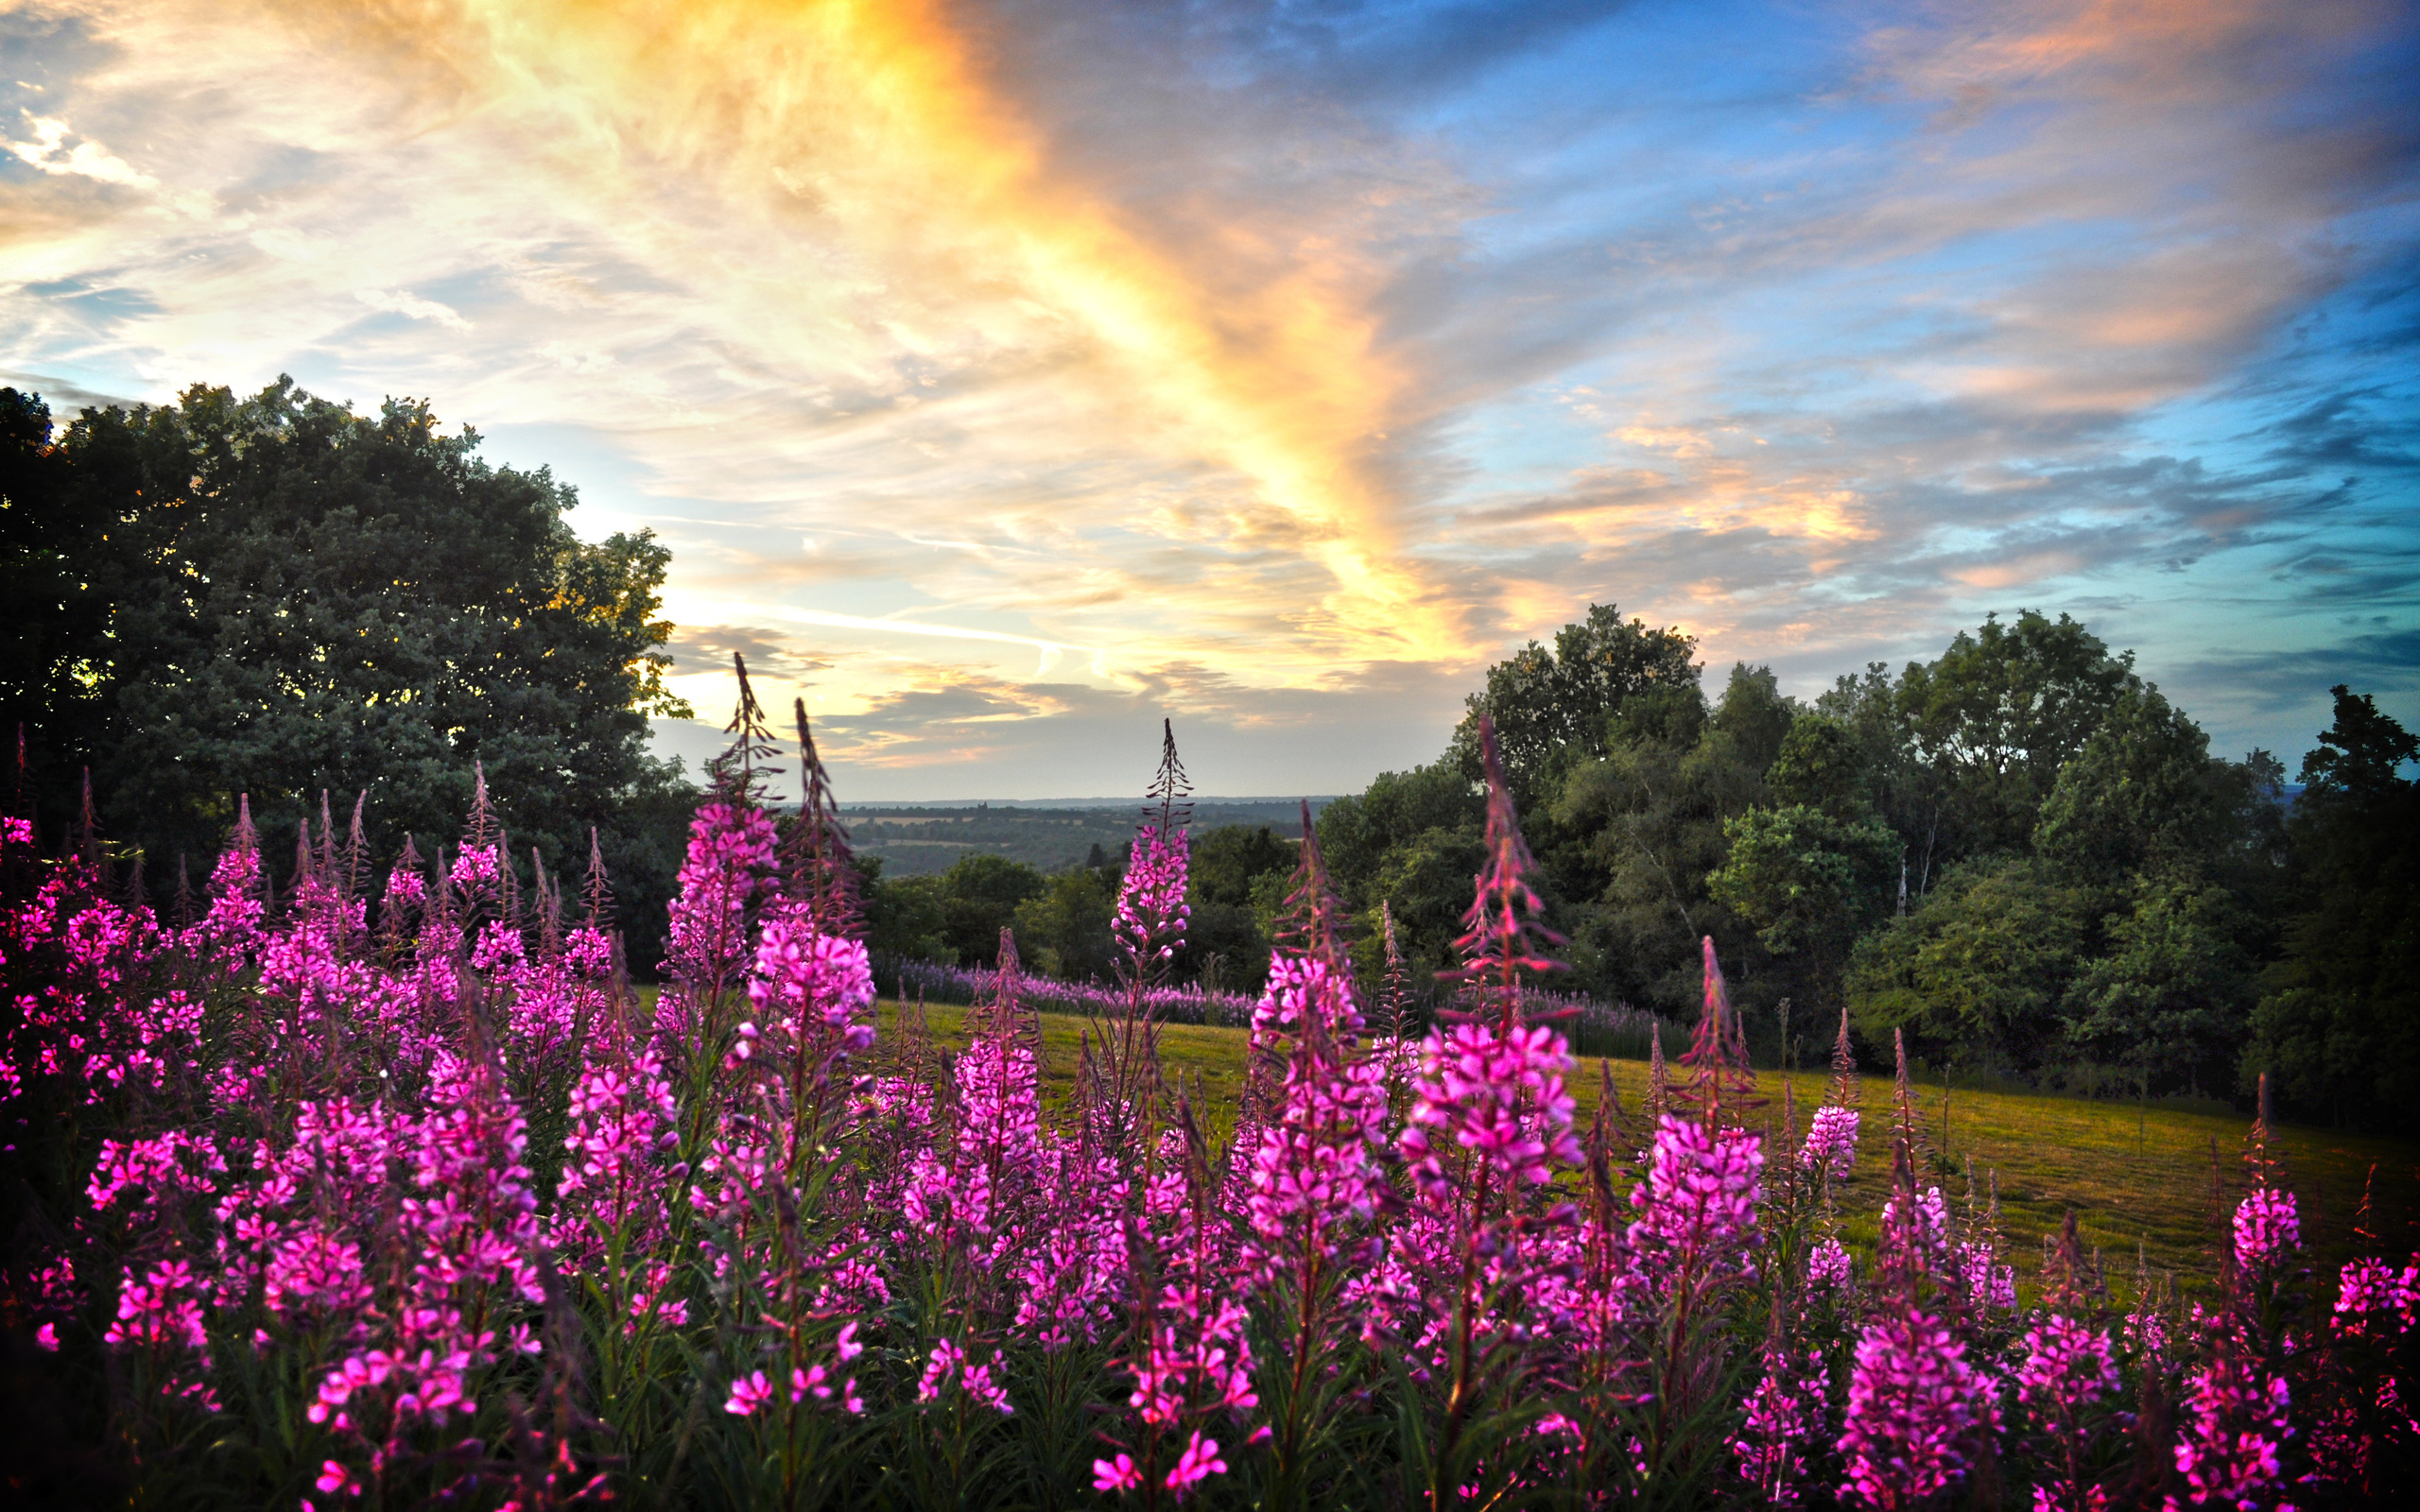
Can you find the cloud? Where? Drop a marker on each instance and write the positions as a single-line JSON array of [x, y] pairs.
[[1279, 360], [396, 302], [48, 151]]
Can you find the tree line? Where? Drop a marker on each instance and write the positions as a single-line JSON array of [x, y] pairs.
[[2019, 854]]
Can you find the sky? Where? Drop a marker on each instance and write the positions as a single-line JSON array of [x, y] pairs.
[[1007, 376]]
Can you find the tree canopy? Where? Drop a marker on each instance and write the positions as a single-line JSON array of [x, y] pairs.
[[272, 596]]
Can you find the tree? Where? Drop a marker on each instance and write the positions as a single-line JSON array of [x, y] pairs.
[[2359, 755], [2139, 797], [62, 568], [979, 894], [1820, 766], [1998, 714], [904, 918], [1634, 834], [1225, 944], [1356, 831], [307, 599], [1810, 884], [2170, 994], [1064, 931], [1427, 881], [1978, 971], [2338, 1023], [1552, 707]]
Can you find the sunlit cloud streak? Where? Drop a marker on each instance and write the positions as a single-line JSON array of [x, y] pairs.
[[1277, 365]]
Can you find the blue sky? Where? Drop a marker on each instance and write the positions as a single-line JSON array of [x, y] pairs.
[[1005, 376]]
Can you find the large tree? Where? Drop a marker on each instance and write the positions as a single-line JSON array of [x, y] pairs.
[[2337, 1025], [1555, 708], [294, 597]]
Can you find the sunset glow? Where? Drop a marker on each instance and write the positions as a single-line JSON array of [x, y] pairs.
[[1005, 376]]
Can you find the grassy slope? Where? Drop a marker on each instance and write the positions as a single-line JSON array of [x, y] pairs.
[[2050, 1153]]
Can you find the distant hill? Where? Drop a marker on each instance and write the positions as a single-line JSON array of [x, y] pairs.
[[915, 838]]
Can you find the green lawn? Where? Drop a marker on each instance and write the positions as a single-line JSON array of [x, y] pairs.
[[2149, 1184]]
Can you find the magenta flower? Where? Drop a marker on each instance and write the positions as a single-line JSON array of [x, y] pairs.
[[1497, 1093], [2264, 1227], [1829, 1269], [749, 1393], [1784, 1419], [1914, 1402], [2230, 1447], [810, 982], [1313, 1173], [161, 1312], [1198, 1462], [949, 1365], [1117, 1474], [1699, 1203], [1831, 1143], [2373, 1296], [1152, 910], [2068, 1374]]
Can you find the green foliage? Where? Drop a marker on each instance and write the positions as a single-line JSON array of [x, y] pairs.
[[1820, 766], [1356, 833], [979, 896], [2171, 991], [351, 603], [1428, 881], [1633, 836], [2357, 756], [1978, 971], [2338, 1023], [63, 566], [1228, 940], [1810, 884], [1997, 716], [275, 597], [905, 916], [1064, 930], [1552, 707], [2139, 796]]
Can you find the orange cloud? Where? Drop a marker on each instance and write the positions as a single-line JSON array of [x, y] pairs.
[[875, 119]]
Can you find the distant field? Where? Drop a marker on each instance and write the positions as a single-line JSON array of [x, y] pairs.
[[2050, 1153], [914, 840]]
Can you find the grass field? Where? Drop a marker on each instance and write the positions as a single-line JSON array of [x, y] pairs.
[[2130, 1180]]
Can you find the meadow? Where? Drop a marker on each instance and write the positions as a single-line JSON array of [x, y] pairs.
[[2157, 1185], [322, 1208]]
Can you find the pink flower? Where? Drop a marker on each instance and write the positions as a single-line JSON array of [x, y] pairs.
[[2372, 1293], [47, 1336], [1117, 1474], [1785, 1416], [2068, 1373], [1198, 1462], [1912, 1402], [2264, 1227], [335, 1477], [1831, 1143], [749, 1393], [947, 1363], [2229, 1447], [1498, 1093], [1699, 1199], [1152, 910], [1829, 1269]]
